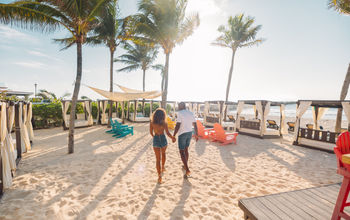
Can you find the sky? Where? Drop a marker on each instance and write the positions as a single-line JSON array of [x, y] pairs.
[[305, 56]]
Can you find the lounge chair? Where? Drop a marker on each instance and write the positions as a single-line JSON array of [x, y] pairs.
[[310, 126], [221, 136], [291, 126], [171, 123], [272, 124], [203, 132], [115, 122], [231, 118], [120, 132]]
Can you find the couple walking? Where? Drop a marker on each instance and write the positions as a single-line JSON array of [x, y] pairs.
[[185, 121]]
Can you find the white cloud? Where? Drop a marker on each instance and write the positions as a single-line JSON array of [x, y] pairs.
[[41, 54], [31, 64], [12, 34], [203, 7]]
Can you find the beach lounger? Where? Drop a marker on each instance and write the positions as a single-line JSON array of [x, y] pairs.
[[272, 124], [310, 126], [115, 122], [291, 126], [202, 131], [231, 118], [171, 123], [221, 136], [120, 131]]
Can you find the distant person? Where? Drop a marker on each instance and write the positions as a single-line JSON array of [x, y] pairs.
[[158, 125], [185, 121]]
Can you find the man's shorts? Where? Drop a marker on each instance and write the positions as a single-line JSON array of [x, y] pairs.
[[184, 140], [160, 141]]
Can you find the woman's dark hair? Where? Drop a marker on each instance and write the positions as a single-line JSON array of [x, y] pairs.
[[159, 116]]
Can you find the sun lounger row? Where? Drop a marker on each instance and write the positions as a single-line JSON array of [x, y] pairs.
[[119, 130]]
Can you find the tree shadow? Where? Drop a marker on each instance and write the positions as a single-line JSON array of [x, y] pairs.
[[144, 214], [179, 212]]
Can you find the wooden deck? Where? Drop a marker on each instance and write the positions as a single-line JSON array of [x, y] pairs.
[[312, 203]]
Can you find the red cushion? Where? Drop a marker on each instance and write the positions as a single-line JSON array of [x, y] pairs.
[[343, 142]]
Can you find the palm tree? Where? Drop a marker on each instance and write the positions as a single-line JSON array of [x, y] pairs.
[[78, 17], [343, 7], [109, 32], [238, 33], [138, 56], [163, 22]]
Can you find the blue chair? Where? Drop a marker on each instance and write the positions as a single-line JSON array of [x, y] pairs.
[[115, 122], [121, 131]]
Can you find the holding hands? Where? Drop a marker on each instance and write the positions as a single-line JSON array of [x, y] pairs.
[[173, 139]]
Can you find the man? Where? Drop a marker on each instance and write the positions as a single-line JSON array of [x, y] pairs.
[[184, 123]]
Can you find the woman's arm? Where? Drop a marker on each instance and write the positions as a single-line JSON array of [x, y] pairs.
[[151, 129], [167, 130]]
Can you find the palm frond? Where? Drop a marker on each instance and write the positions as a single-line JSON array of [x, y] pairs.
[[129, 68]]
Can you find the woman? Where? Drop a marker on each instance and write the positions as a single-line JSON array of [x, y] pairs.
[[157, 127]]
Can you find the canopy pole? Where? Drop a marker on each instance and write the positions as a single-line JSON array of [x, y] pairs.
[[151, 109]]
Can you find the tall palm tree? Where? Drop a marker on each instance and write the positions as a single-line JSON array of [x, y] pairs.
[[79, 17], [109, 32], [240, 32], [343, 7], [163, 22], [139, 56]]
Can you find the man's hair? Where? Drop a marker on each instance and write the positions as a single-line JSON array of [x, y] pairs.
[[159, 116]]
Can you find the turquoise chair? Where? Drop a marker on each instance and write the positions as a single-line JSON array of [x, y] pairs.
[[122, 131], [115, 122]]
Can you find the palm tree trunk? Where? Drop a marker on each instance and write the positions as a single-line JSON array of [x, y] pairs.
[[110, 86], [230, 75], [166, 79], [144, 79], [162, 83], [74, 99], [343, 93]]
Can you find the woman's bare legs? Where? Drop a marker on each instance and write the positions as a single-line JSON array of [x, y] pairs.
[[157, 151], [163, 149]]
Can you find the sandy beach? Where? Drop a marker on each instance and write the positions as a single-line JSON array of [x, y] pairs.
[[108, 178]]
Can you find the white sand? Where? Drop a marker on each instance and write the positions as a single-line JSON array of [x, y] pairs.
[[108, 178]]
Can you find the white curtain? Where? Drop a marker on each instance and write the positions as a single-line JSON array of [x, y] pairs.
[[346, 107], [24, 132], [283, 127], [29, 124], [174, 110], [104, 115], [321, 113], [150, 110], [240, 107], [206, 110], [135, 109], [254, 109], [11, 113], [259, 108], [303, 106], [64, 112], [88, 110], [123, 113], [266, 113], [5, 154]]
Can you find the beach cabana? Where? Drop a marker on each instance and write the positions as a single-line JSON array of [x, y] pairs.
[[127, 96], [141, 117], [82, 120], [257, 126], [217, 115], [317, 138]]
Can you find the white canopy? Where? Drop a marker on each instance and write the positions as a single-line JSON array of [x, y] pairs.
[[120, 96]]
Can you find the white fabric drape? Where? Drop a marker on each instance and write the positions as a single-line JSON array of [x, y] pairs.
[[65, 117], [346, 108], [5, 154], [135, 109], [120, 96], [88, 110], [174, 106], [11, 114], [123, 113], [24, 132], [266, 113], [259, 108], [240, 107], [303, 106], [321, 113], [29, 124], [206, 110], [254, 109], [283, 127]]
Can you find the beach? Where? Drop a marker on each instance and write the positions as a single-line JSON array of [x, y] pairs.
[[108, 178]]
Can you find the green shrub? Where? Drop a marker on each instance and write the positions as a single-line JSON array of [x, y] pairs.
[[47, 115]]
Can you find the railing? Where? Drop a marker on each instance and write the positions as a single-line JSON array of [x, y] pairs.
[[255, 125], [211, 119], [318, 135]]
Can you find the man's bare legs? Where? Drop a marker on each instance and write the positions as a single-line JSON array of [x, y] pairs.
[[184, 158], [163, 149]]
